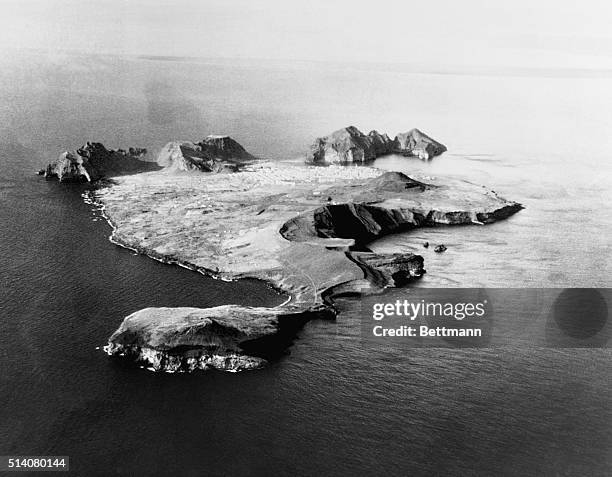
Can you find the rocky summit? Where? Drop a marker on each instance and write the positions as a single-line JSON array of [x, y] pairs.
[[418, 144], [350, 145], [212, 154], [93, 162]]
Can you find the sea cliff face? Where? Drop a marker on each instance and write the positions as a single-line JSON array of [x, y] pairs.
[[185, 339], [93, 162], [350, 145]]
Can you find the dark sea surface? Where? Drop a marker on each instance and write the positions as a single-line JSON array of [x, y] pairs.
[[335, 405]]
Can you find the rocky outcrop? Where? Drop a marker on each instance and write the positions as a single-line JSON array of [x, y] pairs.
[[212, 154], [361, 221], [389, 269], [93, 162], [418, 144], [380, 142], [298, 228], [229, 337], [350, 145], [391, 203]]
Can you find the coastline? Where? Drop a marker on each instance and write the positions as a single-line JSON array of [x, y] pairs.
[[90, 199]]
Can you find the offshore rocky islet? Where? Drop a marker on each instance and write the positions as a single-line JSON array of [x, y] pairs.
[[300, 228], [93, 162], [349, 145]]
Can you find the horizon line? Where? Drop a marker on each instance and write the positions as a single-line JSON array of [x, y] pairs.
[[383, 66]]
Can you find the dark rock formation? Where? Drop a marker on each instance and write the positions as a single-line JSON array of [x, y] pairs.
[[93, 162], [381, 143], [351, 145], [389, 269], [361, 222], [440, 248], [388, 204], [348, 145], [229, 337], [213, 154], [426, 245]]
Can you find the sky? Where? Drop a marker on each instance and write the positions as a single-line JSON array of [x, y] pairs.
[[521, 33]]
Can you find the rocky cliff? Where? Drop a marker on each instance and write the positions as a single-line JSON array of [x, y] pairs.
[[212, 154], [349, 145], [418, 144], [229, 337], [93, 162]]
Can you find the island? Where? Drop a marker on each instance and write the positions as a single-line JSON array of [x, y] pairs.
[[348, 145], [93, 162], [303, 229]]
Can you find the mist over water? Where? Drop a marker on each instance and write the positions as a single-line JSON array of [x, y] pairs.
[[560, 239], [333, 405]]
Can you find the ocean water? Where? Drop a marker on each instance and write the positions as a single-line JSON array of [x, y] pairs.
[[333, 405]]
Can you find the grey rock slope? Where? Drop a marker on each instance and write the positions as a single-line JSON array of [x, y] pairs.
[[418, 144], [93, 162], [349, 145], [212, 154]]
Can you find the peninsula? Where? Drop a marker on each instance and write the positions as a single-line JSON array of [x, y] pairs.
[[303, 229]]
